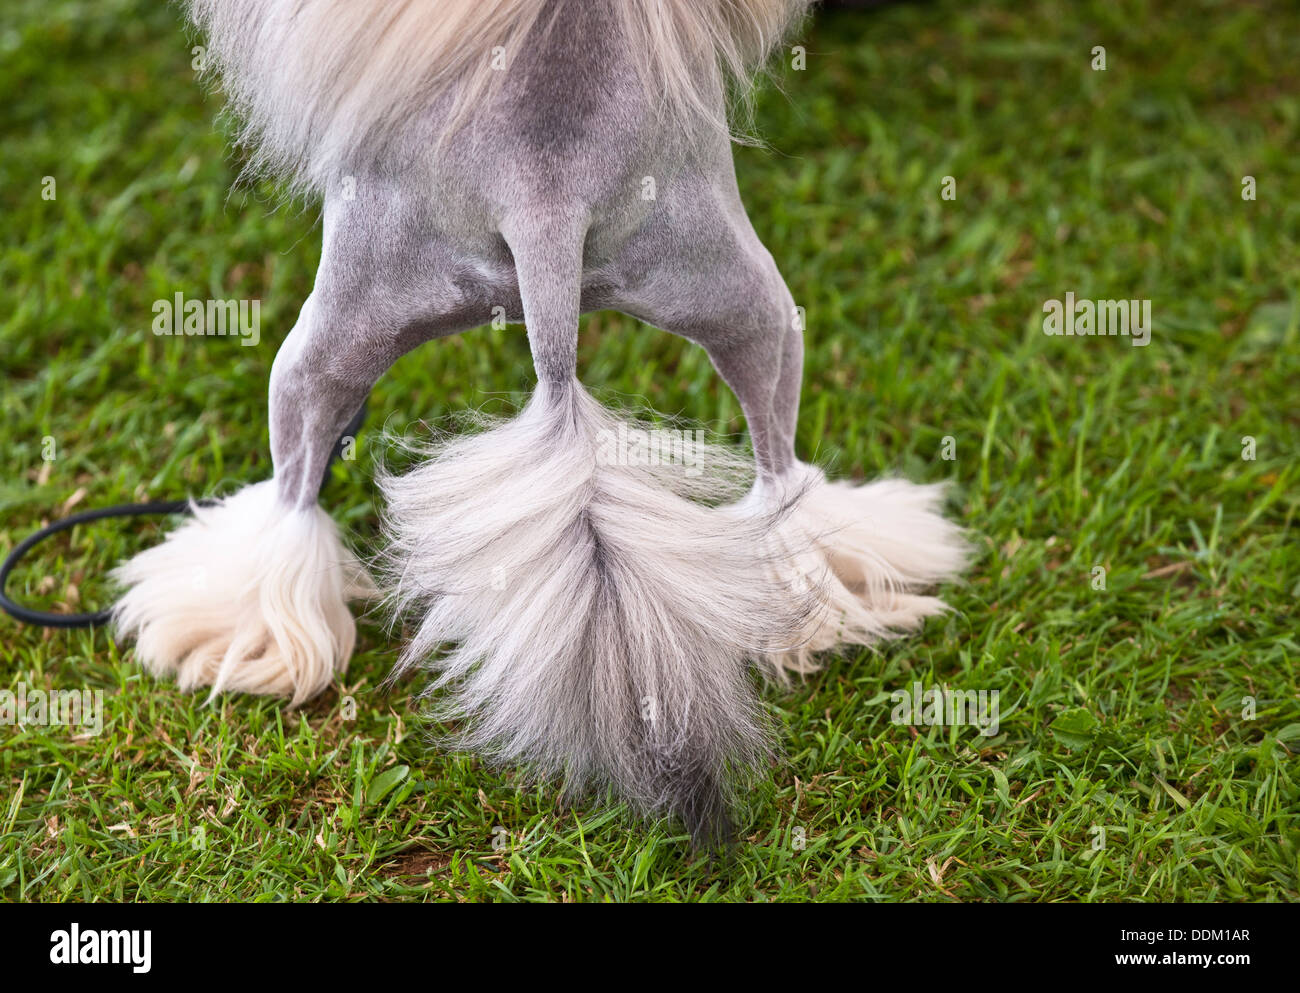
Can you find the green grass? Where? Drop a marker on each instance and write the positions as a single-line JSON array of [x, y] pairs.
[[1122, 708]]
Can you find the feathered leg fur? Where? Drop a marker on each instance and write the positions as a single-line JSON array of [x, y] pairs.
[[869, 552], [248, 596]]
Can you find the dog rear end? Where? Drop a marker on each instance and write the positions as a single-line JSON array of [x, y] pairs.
[[603, 613]]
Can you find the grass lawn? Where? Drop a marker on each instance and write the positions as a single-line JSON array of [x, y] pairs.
[[1133, 603]]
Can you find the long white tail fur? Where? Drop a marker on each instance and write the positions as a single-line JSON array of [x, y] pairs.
[[317, 83]]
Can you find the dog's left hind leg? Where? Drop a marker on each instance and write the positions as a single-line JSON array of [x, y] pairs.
[[252, 594]]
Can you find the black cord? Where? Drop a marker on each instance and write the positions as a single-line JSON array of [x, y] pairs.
[[50, 620], [26, 615]]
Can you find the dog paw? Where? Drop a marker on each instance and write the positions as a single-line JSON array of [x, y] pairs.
[[867, 553], [245, 596]]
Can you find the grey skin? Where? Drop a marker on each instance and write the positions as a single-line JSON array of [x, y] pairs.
[[536, 206]]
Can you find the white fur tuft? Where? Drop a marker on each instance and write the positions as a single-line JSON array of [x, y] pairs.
[[868, 551], [245, 596]]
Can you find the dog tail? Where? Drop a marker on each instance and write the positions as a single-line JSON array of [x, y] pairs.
[[603, 612]]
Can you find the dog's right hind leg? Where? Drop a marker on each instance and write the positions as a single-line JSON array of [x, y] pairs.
[[870, 551], [251, 594]]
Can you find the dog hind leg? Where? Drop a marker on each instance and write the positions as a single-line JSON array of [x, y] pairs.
[[870, 552], [251, 594]]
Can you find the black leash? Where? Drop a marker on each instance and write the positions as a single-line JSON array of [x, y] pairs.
[[98, 618], [50, 620]]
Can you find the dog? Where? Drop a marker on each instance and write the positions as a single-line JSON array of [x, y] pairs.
[[595, 621]]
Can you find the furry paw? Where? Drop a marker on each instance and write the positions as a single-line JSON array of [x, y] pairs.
[[868, 552], [245, 596]]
